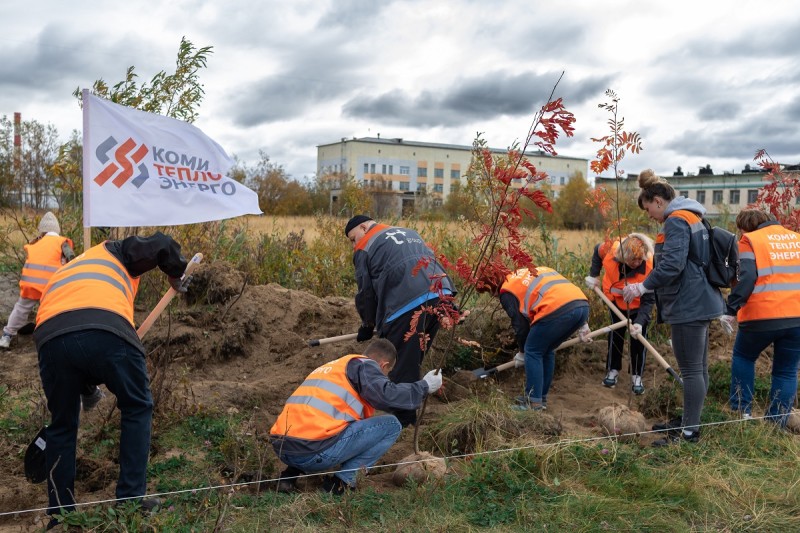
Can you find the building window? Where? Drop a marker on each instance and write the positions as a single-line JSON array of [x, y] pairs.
[[552, 180], [372, 168], [454, 188], [383, 169], [422, 172], [438, 187], [455, 174], [561, 180], [716, 197], [438, 172], [733, 197], [701, 197], [405, 171], [752, 196], [421, 187], [366, 168], [404, 186], [391, 169], [685, 194]]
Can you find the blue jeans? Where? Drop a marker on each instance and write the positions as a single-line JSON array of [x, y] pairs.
[[66, 364], [540, 356], [360, 444], [785, 361]]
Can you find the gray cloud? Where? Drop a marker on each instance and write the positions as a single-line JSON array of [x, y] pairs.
[[472, 99], [351, 14], [720, 111], [777, 130]]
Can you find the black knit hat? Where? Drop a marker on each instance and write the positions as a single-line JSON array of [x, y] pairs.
[[355, 221]]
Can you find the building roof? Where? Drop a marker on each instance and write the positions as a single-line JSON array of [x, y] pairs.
[[440, 146]]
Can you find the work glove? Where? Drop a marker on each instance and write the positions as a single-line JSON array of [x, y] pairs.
[[178, 284], [433, 380], [727, 322], [592, 282], [636, 330], [365, 333], [633, 291], [89, 401], [583, 333], [519, 360]]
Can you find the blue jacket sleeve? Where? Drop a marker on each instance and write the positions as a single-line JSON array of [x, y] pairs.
[[748, 273], [377, 390]]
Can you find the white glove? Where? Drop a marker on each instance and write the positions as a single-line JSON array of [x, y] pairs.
[[636, 330], [592, 282], [633, 291], [583, 333], [519, 360], [433, 380], [727, 322]]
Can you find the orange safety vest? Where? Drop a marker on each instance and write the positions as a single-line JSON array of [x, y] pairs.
[[322, 405], [93, 280], [613, 283], [776, 294], [541, 295], [43, 258]]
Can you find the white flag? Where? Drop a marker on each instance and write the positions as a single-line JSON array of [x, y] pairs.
[[142, 169]]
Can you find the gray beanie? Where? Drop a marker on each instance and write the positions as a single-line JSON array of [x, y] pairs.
[[49, 223]]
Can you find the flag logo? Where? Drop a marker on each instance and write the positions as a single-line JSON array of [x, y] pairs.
[[128, 155]]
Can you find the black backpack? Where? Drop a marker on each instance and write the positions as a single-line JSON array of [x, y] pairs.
[[722, 269]]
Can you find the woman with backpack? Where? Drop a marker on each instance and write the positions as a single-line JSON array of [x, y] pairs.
[[684, 298], [766, 302]]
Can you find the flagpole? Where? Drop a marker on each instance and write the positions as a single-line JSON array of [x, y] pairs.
[[87, 230]]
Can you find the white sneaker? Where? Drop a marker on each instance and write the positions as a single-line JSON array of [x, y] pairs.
[[611, 378], [637, 386], [747, 416], [5, 341]]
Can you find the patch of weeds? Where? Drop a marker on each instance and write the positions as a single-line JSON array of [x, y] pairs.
[[662, 401], [719, 384]]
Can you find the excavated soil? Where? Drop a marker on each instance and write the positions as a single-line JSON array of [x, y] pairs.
[[243, 348]]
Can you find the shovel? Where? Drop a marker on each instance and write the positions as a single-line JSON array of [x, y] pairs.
[[640, 338], [484, 372]]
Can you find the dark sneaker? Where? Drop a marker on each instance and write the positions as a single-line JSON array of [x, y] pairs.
[[637, 387], [610, 380], [150, 505], [674, 423], [288, 485], [334, 485], [674, 437]]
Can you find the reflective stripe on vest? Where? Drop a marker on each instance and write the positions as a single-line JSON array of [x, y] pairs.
[[776, 294], [541, 295], [93, 280], [323, 404], [43, 259]]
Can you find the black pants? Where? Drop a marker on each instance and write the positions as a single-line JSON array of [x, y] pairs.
[[409, 353], [616, 345]]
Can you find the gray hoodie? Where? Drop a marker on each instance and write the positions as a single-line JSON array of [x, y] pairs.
[[683, 293]]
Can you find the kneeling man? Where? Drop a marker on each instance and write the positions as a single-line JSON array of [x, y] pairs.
[[328, 420]]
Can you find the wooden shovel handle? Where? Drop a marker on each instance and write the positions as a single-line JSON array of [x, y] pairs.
[[640, 338], [167, 298]]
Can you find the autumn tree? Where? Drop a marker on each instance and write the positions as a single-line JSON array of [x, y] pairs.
[[571, 207]]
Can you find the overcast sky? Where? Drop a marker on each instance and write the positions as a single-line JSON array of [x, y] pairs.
[[702, 82]]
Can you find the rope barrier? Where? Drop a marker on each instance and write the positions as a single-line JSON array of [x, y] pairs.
[[561, 443]]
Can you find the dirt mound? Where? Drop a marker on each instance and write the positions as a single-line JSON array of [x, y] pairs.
[[618, 419]]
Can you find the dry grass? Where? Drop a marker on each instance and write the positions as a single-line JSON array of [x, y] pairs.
[[576, 241]]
